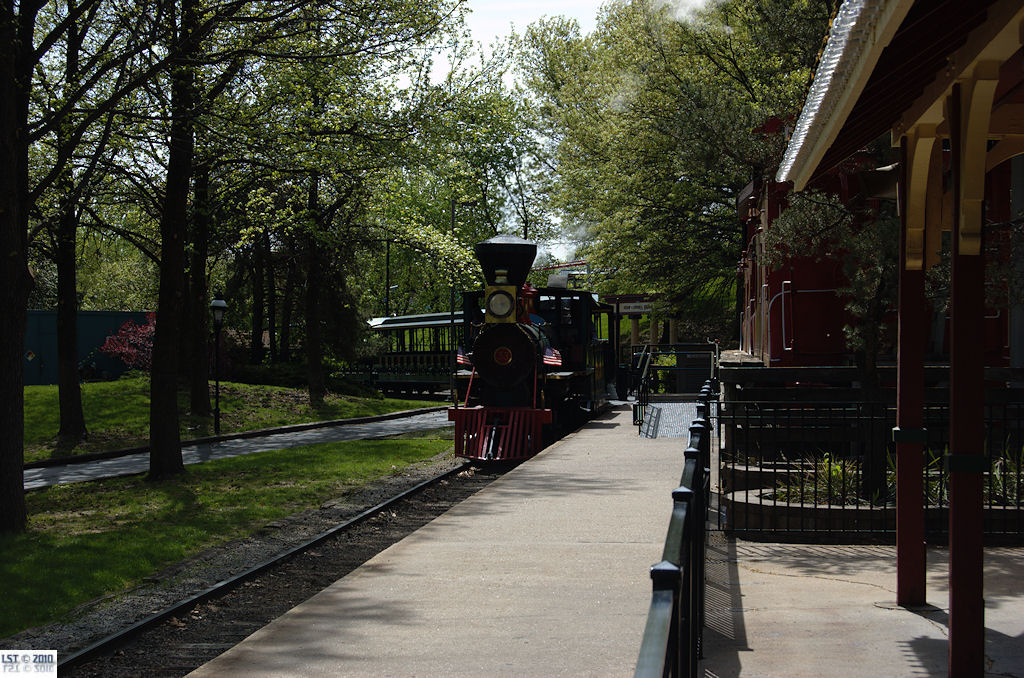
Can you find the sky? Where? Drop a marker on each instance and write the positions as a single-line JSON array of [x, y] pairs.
[[491, 19]]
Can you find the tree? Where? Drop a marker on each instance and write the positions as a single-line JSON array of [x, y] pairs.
[[132, 344], [330, 128], [107, 70], [164, 437], [17, 23], [650, 120]]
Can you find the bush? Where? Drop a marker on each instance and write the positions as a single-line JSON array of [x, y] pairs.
[[293, 375], [133, 343], [283, 374]]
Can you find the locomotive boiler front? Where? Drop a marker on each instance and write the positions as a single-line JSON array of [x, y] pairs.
[[506, 351], [506, 354]]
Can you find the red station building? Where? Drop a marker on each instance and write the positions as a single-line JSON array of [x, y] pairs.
[[945, 79]]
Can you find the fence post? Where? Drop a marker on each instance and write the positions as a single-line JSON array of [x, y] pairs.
[[698, 549], [666, 576], [702, 426], [703, 423]]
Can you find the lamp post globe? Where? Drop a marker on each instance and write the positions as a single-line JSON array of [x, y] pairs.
[[218, 307]]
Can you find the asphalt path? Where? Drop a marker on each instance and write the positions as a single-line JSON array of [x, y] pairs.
[[194, 454]]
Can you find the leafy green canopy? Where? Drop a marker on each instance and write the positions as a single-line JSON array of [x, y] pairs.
[[651, 122]]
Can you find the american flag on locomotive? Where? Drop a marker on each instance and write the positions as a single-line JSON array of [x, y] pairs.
[[552, 356]]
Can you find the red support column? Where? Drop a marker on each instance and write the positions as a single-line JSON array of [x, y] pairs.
[[966, 436], [909, 433]]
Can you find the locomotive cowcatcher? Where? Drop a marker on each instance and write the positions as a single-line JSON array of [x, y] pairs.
[[538, 365]]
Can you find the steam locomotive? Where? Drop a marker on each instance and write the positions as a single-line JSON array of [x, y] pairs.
[[539, 361]]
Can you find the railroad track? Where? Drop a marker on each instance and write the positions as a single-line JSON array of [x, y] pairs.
[[185, 635]]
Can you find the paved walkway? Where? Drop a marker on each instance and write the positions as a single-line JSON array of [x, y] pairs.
[[543, 573], [139, 463], [810, 611]]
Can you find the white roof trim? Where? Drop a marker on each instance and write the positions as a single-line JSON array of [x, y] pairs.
[[859, 33]]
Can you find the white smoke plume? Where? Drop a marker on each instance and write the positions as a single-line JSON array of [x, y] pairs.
[[681, 10]]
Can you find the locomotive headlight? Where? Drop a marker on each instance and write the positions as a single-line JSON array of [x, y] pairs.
[[500, 304]]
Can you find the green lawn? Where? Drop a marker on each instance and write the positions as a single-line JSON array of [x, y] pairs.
[[117, 413], [86, 540]]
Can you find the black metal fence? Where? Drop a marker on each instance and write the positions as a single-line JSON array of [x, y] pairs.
[[670, 368], [819, 467], [673, 636], [676, 368]]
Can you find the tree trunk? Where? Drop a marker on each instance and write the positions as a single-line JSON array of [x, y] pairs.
[[198, 323], [256, 338], [72, 420], [314, 338], [164, 437], [314, 334], [287, 303], [268, 265], [15, 280]]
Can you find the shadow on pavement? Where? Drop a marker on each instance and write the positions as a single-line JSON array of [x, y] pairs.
[[725, 634]]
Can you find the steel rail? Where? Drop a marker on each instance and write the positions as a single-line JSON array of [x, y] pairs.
[[120, 637]]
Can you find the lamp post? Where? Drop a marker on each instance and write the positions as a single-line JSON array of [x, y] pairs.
[[452, 360], [387, 279], [218, 306]]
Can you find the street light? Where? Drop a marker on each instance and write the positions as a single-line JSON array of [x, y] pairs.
[[387, 279], [218, 306]]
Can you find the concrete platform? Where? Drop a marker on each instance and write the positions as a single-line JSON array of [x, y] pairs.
[[543, 573], [801, 611]]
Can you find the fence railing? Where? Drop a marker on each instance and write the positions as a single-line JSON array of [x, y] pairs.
[[829, 467], [677, 368], [673, 636]]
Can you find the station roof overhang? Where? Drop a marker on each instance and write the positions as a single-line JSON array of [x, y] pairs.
[[889, 66], [414, 322]]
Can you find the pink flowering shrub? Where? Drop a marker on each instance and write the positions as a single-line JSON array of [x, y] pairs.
[[133, 343]]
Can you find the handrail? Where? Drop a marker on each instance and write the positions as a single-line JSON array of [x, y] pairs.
[[643, 388], [716, 357], [673, 636], [680, 363]]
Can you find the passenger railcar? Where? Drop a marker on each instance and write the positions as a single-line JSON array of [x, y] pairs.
[[538, 360], [417, 356]]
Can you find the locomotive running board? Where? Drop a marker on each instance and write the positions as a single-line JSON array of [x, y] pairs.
[[498, 433]]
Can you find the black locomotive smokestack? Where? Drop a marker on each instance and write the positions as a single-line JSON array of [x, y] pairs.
[[506, 259]]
